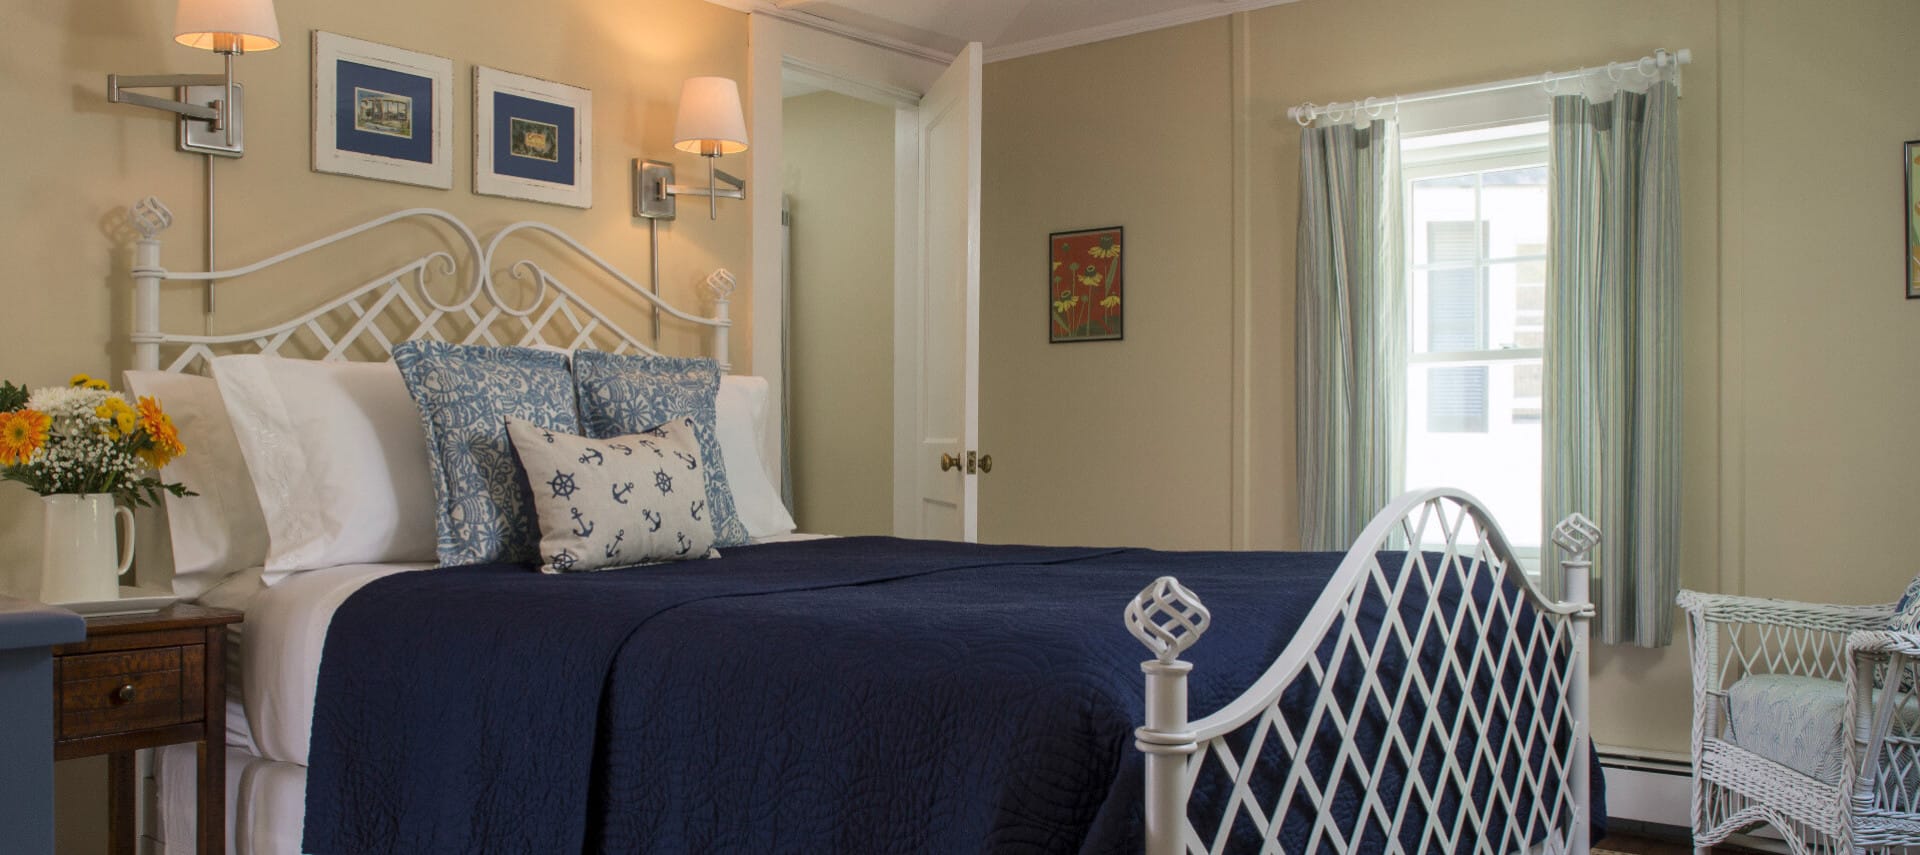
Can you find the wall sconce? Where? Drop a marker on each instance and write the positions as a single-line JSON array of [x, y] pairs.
[[211, 121], [710, 124]]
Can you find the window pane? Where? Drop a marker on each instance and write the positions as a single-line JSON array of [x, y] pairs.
[[1500, 462], [1457, 399], [1514, 204]]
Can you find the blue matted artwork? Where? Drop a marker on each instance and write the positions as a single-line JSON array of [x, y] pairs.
[[383, 113], [533, 139]]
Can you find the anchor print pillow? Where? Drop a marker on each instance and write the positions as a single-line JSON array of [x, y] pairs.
[[604, 503]]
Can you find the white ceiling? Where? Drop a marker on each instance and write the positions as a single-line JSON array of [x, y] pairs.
[[1006, 28]]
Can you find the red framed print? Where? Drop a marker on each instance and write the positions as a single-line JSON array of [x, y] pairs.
[[1084, 291]]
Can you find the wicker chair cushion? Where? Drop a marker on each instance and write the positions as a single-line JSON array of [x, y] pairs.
[[1798, 722], [1906, 614]]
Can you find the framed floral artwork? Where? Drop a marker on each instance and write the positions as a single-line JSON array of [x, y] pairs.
[[1910, 171], [1085, 284], [382, 112], [532, 139]]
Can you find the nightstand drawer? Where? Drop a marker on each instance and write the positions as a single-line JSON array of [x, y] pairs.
[[102, 693]]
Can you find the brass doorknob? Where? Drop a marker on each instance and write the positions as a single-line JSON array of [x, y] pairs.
[[948, 462], [986, 463]]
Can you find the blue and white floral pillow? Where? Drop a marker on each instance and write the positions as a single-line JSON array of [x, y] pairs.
[[465, 394], [638, 499], [1906, 614], [623, 394]]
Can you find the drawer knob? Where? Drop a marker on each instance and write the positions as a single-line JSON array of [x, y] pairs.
[[125, 694]]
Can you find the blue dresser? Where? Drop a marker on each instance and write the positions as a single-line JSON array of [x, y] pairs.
[[28, 633]]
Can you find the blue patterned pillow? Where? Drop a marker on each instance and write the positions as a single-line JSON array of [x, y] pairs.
[[622, 394], [465, 395], [1906, 614]]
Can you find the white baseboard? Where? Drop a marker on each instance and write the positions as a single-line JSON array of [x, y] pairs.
[[1650, 787]]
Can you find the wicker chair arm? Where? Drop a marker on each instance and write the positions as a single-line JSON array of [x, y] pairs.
[[1884, 641], [1728, 608]]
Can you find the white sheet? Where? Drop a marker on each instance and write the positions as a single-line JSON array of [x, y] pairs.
[[266, 803], [280, 643]]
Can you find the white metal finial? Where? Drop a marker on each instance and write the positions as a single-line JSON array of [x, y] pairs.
[[1576, 534], [722, 282], [1167, 618], [149, 216]]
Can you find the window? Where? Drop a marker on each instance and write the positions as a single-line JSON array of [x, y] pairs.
[[1476, 213]]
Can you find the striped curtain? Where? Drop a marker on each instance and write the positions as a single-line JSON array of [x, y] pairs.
[[1350, 342], [1612, 408]]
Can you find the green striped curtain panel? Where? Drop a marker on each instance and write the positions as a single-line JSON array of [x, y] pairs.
[[1612, 408], [1350, 343]]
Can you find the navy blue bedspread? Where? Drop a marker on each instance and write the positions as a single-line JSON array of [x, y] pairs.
[[846, 695]]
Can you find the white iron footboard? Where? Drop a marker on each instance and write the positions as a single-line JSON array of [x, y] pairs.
[[1502, 773]]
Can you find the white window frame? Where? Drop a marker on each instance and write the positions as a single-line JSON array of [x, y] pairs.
[[1519, 145]]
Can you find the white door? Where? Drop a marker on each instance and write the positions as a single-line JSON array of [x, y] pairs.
[[937, 316]]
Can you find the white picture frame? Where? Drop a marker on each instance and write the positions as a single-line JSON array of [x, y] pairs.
[[367, 113], [532, 139]]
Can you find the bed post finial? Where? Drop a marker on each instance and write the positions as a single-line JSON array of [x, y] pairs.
[[149, 217], [1577, 536], [722, 284], [1168, 619]]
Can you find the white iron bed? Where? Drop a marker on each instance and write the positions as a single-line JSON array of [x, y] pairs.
[[367, 320]]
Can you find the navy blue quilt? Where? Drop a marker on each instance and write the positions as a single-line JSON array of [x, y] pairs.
[[846, 695]]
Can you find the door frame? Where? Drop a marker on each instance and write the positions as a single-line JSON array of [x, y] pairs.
[[870, 72]]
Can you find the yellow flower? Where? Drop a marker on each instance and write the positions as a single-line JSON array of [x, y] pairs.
[[1111, 301], [1107, 252], [1066, 302], [21, 434], [1056, 265], [86, 382], [1093, 280], [164, 439], [120, 418]]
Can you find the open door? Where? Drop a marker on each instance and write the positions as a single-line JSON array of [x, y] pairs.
[[937, 317]]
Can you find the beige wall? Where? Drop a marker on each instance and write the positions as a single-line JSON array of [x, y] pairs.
[[839, 176], [77, 160], [1797, 471]]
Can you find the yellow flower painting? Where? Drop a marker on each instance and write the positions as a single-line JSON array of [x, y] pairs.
[[1084, 285], [1912, 170]]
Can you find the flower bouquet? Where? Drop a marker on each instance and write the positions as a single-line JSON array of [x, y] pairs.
[[84, 448]]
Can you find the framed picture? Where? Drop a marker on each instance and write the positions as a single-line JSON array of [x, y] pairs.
[[1911, 170], [382, 112], [1084, 285], [532, 139]]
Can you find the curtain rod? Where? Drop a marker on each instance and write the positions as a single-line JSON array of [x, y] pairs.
[[1647, 66]]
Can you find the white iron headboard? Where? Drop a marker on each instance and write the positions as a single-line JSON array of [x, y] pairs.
[[556, 315]]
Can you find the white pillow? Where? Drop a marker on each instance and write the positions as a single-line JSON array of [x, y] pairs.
[[339, 460], [190, 544], [741, 410]]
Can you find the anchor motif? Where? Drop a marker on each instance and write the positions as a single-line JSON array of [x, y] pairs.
[[594, 457], [624, 449], [657, 432], [547, 435], [653, 448], [699, 506], [581, 527], [663, 481], [691, 461], [614, 547], [653, 518], [620, 492], [686, 544]]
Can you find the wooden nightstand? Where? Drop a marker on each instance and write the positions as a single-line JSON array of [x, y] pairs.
[[143, 681]]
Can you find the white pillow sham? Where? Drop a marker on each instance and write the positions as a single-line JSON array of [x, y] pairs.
[[740, 424], [338, 457], [188, 544]]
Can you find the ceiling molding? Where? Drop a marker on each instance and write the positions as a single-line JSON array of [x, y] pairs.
[[815, 22], [1127, 27]]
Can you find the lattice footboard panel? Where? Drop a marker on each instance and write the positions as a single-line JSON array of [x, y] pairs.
[[1428, 706]]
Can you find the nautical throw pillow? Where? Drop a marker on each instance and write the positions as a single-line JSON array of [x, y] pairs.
[[627, 393], [1906, 614], [602, 503], [484, 505]]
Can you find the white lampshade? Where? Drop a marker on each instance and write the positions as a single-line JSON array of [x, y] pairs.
[[245, 25], [710, 120]]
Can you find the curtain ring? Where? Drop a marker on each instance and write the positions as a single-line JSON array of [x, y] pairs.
[[1303, 114], [1549, 83], [1613, 72], [1649, 67]]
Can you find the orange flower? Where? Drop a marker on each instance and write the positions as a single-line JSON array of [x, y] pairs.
[[164, 438], [21, 435]]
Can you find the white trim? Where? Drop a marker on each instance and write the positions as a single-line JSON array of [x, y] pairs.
[[486, 82], [330, 48], [825, 77], [1127, 27]]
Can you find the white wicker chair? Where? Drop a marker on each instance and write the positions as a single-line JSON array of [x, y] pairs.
[[1871, 804]]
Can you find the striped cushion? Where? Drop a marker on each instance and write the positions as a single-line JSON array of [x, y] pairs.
[[1798, 722]]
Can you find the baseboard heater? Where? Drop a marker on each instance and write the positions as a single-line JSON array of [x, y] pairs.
[[1650, 794]]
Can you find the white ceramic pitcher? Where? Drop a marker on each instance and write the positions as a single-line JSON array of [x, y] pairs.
[[80, 560]]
